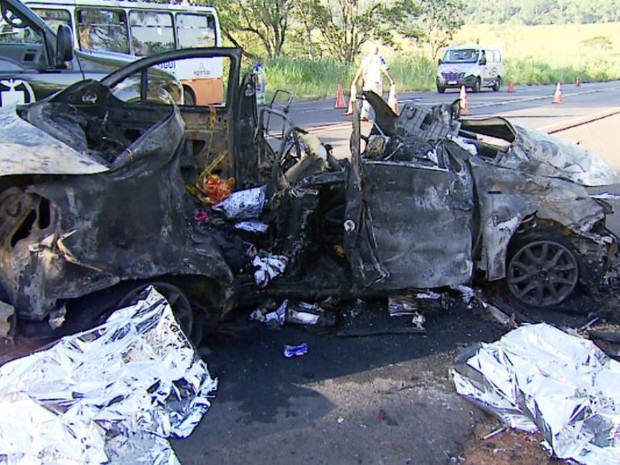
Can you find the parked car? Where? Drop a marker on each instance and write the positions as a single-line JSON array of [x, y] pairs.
[[101, 197], [36, 61]]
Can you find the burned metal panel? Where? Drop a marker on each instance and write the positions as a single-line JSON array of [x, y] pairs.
[[408, 200], [421, 220], [507, 196], [246, 160], [423, 124], [128, 223], [358, 241], [539, 153], [26, 149]]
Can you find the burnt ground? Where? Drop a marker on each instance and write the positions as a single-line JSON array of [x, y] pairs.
[[377, 399]]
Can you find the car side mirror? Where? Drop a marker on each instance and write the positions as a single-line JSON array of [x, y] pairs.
[[64, 45], [439, 61]]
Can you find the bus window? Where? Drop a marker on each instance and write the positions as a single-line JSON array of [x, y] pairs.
[[101, 29], [54, 17], [195, 30], [151, 32]]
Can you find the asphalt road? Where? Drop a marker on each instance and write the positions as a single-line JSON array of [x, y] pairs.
[[384, 399], [587, 97]]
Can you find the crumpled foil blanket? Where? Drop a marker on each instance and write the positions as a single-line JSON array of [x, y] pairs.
[[108, 395], [538, 377]]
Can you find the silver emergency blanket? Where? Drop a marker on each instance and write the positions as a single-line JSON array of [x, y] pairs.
[[242, 205], [538, 377], [109, 395]]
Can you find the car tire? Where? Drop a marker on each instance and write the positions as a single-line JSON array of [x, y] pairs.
[[543, 269], [497, 84], [441, 89], [476, 87], [181, 307]]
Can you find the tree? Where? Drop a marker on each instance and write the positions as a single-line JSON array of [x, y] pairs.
[[344, 25], [267, 20], [433, 22], [305, 12]]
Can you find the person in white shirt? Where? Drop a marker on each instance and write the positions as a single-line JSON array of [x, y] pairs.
[[371, 71]]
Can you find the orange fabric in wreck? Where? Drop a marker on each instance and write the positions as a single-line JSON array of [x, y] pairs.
[[216, 188]]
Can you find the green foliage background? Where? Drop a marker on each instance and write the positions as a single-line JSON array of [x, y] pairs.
[[533, 55], [544, 41]]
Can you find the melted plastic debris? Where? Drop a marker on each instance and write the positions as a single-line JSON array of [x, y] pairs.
[[467, 293], [268, 267], [253, 226], [301, 313], [108, 395], [272, 318], [540, 377]]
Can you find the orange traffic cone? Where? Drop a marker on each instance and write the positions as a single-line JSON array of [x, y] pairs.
[[557, 97], [340, 103], [392, 100], [511, 86], [577, 82], [351, 100], [463, 101]]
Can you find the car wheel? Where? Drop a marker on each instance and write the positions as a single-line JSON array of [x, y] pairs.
[[441, 89], [498, 84], [542, 272], [181, 308], [476, 87]]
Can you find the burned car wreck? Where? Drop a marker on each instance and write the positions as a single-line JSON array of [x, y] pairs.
[[437, 200], [93, 193], [98, 198]]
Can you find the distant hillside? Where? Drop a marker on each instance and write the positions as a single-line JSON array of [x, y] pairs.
[[537, 12], [558, 44]]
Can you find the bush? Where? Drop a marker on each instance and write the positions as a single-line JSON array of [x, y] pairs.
[[309, 79]]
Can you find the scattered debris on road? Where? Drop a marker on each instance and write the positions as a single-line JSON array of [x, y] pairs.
[[295, 351]]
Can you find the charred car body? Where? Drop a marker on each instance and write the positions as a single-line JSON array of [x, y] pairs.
[[436, 200], [94, 198]]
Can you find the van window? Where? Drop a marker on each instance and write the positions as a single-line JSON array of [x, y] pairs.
[[463, 55], [102, 29]]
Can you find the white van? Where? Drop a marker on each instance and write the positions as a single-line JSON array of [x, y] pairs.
[[472, 66]]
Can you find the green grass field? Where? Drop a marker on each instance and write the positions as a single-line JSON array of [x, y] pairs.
[[533, 55]]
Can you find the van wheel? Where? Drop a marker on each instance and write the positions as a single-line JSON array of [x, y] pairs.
[[476, 87], [498, 84], [441, 89]]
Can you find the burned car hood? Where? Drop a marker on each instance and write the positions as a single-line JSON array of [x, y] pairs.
[[26, 149], [539, 153], [511, 146]]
